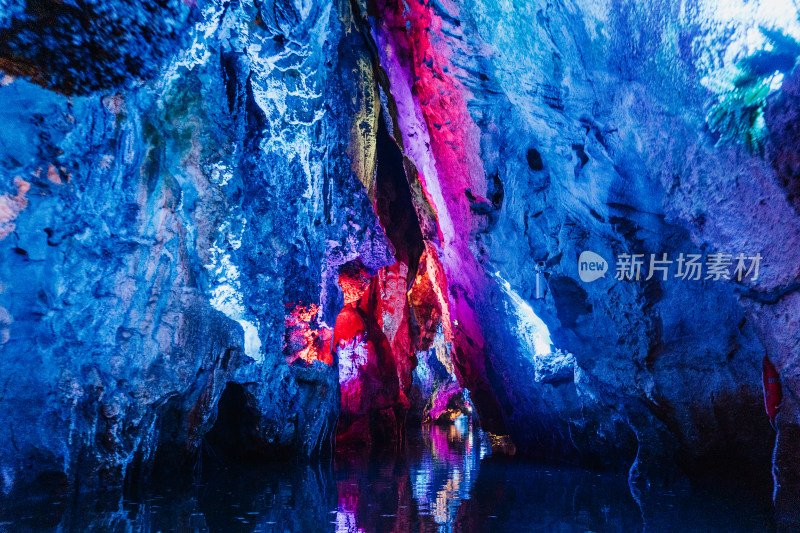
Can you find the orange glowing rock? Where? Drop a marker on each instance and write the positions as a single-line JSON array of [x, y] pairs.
[[354, 279], [305, 339]]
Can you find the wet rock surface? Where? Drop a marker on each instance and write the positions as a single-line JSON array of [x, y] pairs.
[[81, 47]]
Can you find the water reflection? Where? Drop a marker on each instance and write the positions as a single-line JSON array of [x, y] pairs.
[[445, 481], [446, 471], [419, 491]]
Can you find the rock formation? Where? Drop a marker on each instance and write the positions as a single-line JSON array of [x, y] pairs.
[[237, 218]]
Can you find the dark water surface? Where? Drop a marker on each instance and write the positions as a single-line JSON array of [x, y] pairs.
[[446, 481]]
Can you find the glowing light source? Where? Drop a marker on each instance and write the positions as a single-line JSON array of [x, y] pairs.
[[549, 363], [530, 327], [740, 20]]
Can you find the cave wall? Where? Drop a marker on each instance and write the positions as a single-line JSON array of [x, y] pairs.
[[592, 119], [159, 225], [168, 212]]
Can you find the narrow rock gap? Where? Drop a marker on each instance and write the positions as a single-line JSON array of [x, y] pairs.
[[394, 204], [390, 317]]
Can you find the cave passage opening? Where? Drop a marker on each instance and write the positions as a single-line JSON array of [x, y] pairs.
[[235, 437]]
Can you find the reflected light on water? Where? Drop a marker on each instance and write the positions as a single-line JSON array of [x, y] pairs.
[[443, 468], [445, 480], [448, 468]]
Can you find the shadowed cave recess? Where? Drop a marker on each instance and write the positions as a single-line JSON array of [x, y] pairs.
[[249, 232]]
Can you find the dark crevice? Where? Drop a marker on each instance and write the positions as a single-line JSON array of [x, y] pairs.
[[256, 119], [235, 437], [534, 159], [228, 62], [394, 204]]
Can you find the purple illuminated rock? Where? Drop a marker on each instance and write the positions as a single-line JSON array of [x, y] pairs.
[[593, 121]]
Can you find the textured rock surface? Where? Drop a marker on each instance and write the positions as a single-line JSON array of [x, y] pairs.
[[80, 47], [590, 117], [178, 216], [175, 226]]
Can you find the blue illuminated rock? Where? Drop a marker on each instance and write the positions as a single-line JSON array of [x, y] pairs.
[[159, 230]]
